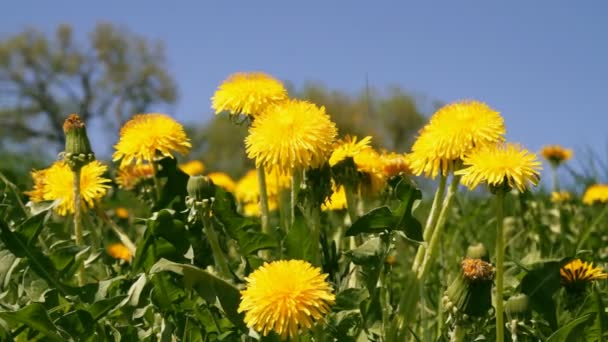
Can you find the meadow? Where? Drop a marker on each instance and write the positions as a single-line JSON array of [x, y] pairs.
[[327, 239]]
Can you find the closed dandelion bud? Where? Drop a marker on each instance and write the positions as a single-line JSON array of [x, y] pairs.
[[470, 291], [78, 150], [478, 251], [517, 305], [200, 188]]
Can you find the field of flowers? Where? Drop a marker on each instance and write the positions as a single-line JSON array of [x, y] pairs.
[[326, 240]]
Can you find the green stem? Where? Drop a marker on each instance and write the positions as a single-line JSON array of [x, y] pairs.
[[587, 232], [500, 250], [157, 189], [296, 178], [352, 207], [554, 180], [457, 334], [218, 254], [431, 253], [122, 236], [80, 276], [430, 222], [264, 211]]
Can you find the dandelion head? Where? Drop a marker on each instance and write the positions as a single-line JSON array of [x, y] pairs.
[[286, 297], [556, 154], [348, 147], [504, 165], [560, 196], [597, 193], [576, 274], [222, 180], [147, 136], [193, 167], [291, 135], [128, 177], [248, 94], [119, 251]]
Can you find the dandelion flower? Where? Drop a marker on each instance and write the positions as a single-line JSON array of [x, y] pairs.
[[560, 196], [146, 135], [394, 164], [556, 154], [452, 132], [222, 180], [349, 147], [247, 191], [248, 94], [501, 165], [286, 297], [130, 176], [477, 270], [337, 201], [576, 274], [193, 168], [119, 251], [57, 184], [597, 193], [121, 213], [37, 192], [291, 135]]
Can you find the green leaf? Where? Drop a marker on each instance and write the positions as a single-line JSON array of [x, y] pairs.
[[298, 244], [540, 283], [8, 262], [375, 221], [350, 299], [368, 253], [100, 308], [78, 323], [408, 196], [30, 228], [208, 286], [563, 333], [35, 317], [39, 262], [406, 311], [173, 193]]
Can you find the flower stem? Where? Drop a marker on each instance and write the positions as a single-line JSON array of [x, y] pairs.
[[296, 178], [80, 276], [218, 255], [554, 179], [157, 188], [500, 250], [430, 222], [122, 236], [438, 231], [264, 211], [457, 334]]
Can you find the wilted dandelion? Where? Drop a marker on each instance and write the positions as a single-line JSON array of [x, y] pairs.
[[147, 136], [597, 193], [575, 275], [57, 183], [248, 94], [285, 296], [119, 251], [291, 135], [452, 132]]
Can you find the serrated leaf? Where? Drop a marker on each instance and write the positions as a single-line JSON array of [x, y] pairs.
[[375, 221], [35, 317]]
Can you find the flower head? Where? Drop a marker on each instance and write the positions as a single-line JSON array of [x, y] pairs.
[[597, 193], [394, 164], [248, 94], [560, 196], [247, 190], [556, 154], [337, 201], [451, 133], [121, 212], [499, 166], [146, 135], [348, 147], [57, 184], [222, 180], [285, 296], [119, 251], [130, 176], [291, 135], [477, 270], [576, 274], [193, 167]]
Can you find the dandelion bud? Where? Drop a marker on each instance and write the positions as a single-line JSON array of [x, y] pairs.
[[478, 251], [517, 304], [78, 150], [200, 188], [470, 291]]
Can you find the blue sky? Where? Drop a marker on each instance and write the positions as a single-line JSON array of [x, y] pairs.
[[542, 64]]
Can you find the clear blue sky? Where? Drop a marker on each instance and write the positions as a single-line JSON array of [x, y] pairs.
[[542, 64]]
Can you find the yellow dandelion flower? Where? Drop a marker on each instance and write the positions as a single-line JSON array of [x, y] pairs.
[[348, 147], [285, 296], [129, 176], [505, 164], [337, 201], [193, 168], [452, 132], [247, 190], [576, 274], [248, 94], [59, 185], [222, 180], [556, 154], [291, 135], [252, 209], [597, 193], [147, 135], [37, 192], [560, 196], [119, 251], [122, 213], [394, 164]]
